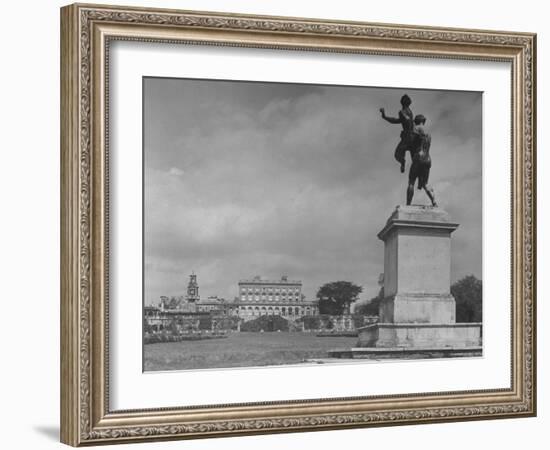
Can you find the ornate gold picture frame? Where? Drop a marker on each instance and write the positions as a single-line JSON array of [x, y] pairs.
[[87, 31]]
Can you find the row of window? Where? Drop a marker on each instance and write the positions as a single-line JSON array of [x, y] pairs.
[[256, 311], [270, 290], [208, 308], [264, 298]]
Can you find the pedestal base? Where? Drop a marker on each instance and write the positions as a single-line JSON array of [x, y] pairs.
[[420, 335], [418, 308], [418, 314]]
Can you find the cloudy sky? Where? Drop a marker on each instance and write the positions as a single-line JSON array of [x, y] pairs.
[[245, 179]]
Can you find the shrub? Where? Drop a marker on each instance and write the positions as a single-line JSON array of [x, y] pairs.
[[266, 323]]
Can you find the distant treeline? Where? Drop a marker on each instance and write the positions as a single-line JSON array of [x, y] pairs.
[[323, 322]]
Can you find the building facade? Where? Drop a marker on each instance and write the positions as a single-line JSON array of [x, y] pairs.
[[257, 297], [283, 297], [214, 305]]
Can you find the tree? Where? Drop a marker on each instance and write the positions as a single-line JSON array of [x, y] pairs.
[[468, 293], [335, 298], [370, 308]]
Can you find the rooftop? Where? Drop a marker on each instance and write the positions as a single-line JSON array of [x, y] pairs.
[[258, 280]]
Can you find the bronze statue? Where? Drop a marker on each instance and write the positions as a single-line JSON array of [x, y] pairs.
[[416, 140], [405, 119], [421, 160]]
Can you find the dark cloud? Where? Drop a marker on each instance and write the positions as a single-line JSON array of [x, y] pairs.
[[270, 178]]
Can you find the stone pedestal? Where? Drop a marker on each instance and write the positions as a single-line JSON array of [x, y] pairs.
[[418, 310]]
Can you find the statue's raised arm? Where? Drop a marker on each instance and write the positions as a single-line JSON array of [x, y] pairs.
[[405, 119], [395, 120]]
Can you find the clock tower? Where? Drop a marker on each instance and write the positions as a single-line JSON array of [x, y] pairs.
[[192, 289]]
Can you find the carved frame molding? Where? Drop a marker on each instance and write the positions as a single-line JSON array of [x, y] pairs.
[[86, 31]]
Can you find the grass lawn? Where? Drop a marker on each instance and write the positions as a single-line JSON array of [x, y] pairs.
[[242, 350]]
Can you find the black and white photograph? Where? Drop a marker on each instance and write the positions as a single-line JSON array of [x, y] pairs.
[[290, 224], [278, 224]]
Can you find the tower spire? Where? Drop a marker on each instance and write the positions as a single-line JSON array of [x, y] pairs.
[[192, 289]]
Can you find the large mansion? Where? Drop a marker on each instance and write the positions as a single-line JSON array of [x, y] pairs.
[[257, 297]]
